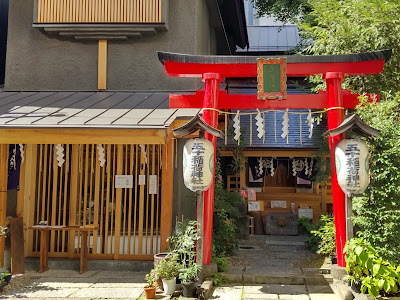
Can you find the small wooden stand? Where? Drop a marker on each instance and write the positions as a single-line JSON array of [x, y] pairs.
[[44, 244]]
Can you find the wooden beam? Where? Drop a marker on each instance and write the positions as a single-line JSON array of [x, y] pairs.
[[293, 101], [167, 184], [82, 136], [102, 65], [118, 200], [73, 198], [273, 153], [3, 194]]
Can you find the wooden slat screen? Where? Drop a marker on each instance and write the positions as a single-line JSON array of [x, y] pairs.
[[99, 11], [82, 192]]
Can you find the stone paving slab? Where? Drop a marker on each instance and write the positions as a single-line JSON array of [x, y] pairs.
[[324, 297], [113, 293], [284, 289], [64, 282], [119, 274], [320, 289], [67, 273], [295, 297], [278, 248], [43, 293]]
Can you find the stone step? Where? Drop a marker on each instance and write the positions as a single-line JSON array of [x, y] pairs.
[[32, 264], [284, 279]]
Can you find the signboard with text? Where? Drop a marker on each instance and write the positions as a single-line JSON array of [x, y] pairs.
[[271, 78]]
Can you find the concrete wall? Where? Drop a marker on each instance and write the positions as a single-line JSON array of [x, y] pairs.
[[37, 61]]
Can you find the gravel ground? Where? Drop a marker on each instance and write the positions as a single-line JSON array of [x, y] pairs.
[[20, 281]]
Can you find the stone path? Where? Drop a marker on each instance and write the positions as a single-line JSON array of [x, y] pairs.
[[69, 284], [273, 267]]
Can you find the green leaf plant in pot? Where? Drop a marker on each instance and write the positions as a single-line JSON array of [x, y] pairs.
[[189, 277], [150, 288], [169, 270]]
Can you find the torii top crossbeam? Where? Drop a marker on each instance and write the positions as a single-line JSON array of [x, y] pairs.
[[182, 65], [333, 68]]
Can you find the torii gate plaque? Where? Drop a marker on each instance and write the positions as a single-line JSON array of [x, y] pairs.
[[213, 69]]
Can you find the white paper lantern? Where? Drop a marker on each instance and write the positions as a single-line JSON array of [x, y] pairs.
[[352, 166], [198, 164]]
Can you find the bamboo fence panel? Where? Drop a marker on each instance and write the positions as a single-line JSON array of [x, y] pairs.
[[81, 192], [99, 11]]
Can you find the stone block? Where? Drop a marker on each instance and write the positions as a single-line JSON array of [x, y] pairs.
[[338, 272], [281, 224]]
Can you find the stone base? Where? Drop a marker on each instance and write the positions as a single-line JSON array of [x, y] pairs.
[[208, 270], [281, 224], [338, 272]]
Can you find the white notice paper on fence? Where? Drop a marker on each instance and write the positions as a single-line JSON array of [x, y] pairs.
[[123, 181], [142, 179], [153, 184]]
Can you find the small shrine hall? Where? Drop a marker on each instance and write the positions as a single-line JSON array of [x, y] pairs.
[[277, 125]]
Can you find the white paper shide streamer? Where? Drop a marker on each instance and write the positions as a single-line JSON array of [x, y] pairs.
[[22, 152], [260, 166], [60, 155], [236, 126], [260, 125], [102, 155], [285, 124], [144, 153], [310, 122], [297, 166]]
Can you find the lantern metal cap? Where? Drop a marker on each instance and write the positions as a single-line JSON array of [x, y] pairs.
[[355, 124], [197, 123]]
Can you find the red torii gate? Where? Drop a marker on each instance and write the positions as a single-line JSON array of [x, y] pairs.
[[213, 69]]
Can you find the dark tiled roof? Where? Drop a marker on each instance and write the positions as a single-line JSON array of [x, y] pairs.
[[88, 109]]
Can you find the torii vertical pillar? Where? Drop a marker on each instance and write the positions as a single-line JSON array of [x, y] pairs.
[[211, 81], [335, 118]]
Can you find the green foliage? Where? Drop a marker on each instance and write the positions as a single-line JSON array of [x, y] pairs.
[[321, 235], [183, 242], [326, 233], [227, 211], [365, 266], [283, 10], [151, 278], [168, 268], [189, 273], [218, 279]]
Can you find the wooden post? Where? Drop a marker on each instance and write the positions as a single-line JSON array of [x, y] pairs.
[[102, 65], [17, 246], [3, 194], [167, 193], [73, 198], [349, 223], [118, 199]]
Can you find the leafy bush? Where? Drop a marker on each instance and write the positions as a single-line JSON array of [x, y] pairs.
[[364, 266], [326, 234], [168, 268]]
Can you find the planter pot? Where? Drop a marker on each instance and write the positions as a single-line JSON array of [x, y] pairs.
[[169, 285], [189, 289], [157, 258], [150, 292]]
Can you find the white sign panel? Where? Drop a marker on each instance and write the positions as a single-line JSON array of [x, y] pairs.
[[123, 181], [351, 158], [198, 164], [280, 204], [253, 206], [153, 184], [305, 212], [142, 179]]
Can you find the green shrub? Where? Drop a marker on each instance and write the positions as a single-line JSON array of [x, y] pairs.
[[364, 266], [326, 235], [168, 268]]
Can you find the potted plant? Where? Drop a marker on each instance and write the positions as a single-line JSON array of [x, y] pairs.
[[189, 277], [168, 269], [150, 288]]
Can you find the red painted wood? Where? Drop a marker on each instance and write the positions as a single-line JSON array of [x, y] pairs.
[[293, 70], [210, 117], [225, 101], [335, 118]]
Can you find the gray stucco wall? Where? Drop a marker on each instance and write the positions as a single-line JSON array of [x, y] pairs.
[[37, 61]]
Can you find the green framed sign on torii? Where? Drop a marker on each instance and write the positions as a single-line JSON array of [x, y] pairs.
[[333, 68]]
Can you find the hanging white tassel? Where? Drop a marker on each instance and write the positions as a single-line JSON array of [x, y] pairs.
[[260, 125], [236, 125], [285, 124], [102, 155], [13, 164], [260, 166], [272, 168], [294, 167], [144, 153], [297, 166], [310, 122], [311, 167], [22, 152], [306, 166], [60, 155]]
